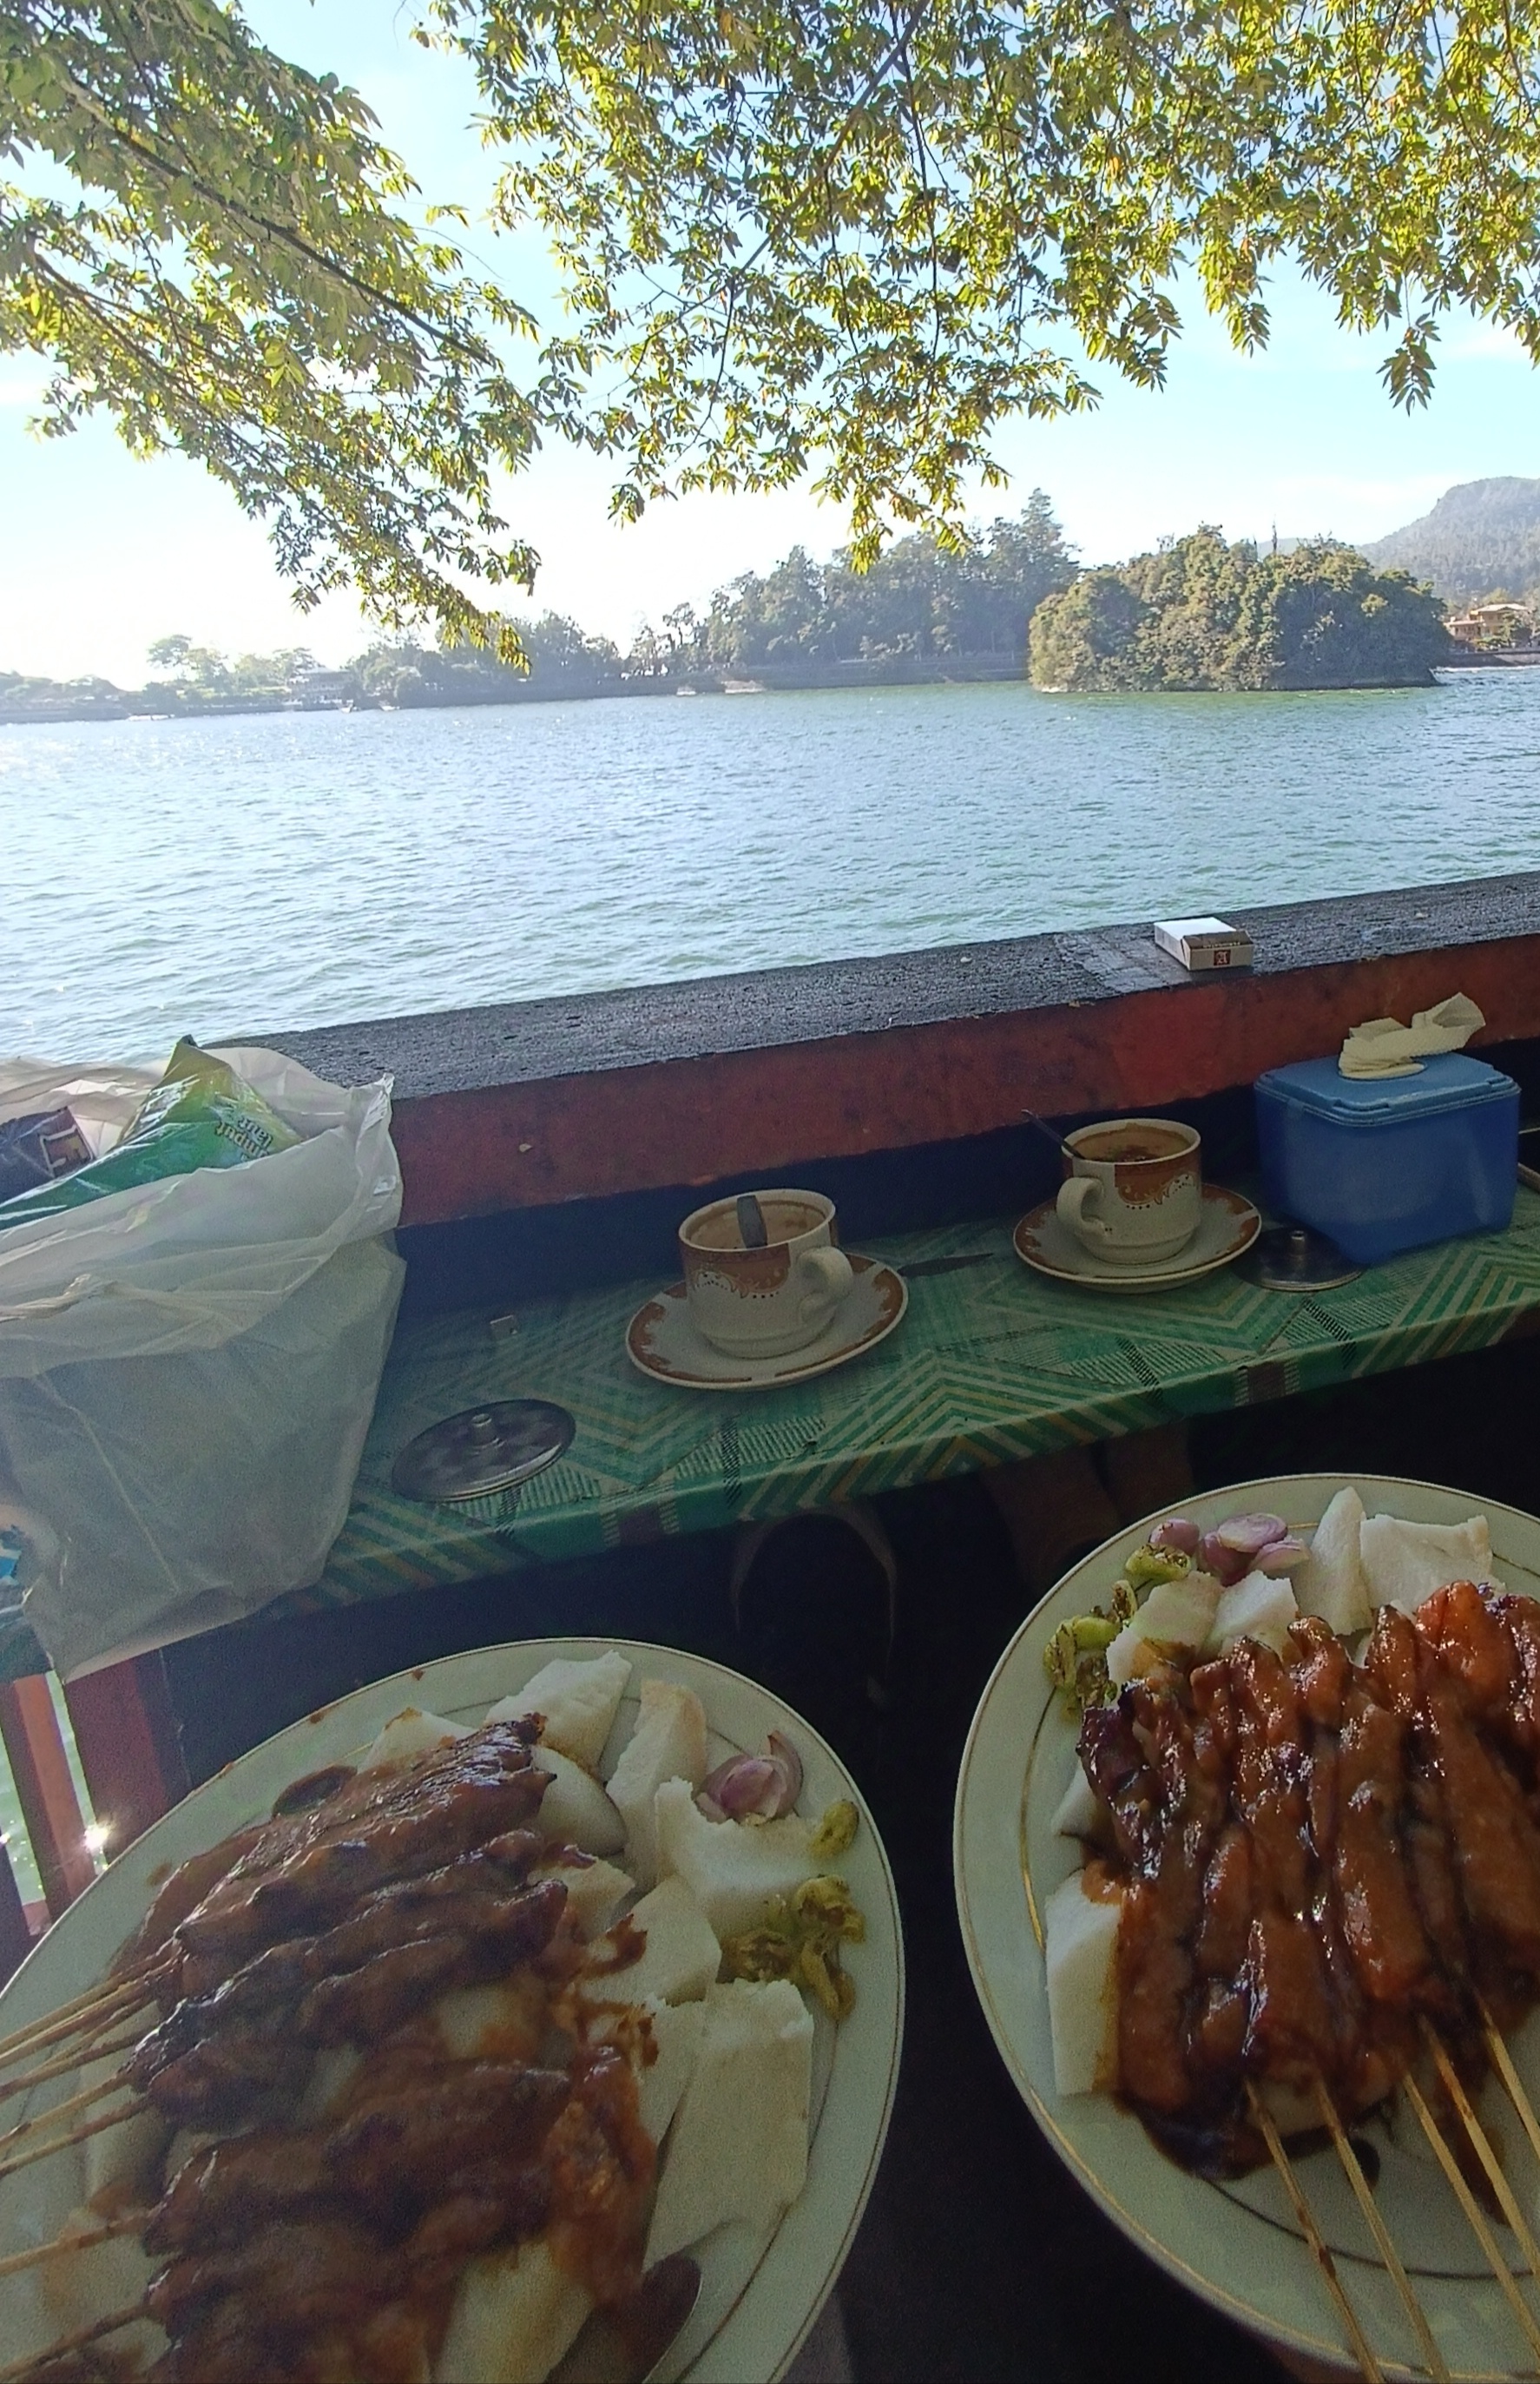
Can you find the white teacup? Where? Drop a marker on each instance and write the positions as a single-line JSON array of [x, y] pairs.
[[759, 1302], [1135, 1191]]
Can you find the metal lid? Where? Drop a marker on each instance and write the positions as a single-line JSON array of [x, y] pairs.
[[483, 1450], [1296, 1257]]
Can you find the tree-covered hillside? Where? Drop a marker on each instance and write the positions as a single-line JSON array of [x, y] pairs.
[[919, 601], [1481, 540], [1204, 614]]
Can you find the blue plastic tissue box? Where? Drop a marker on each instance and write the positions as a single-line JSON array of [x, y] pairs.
[[1389, 1163]]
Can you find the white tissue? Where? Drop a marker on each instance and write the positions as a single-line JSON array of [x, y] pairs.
[[1383, 1046]]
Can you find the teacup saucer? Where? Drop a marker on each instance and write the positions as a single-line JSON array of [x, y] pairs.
[[1229, 1225], [663, 1342]]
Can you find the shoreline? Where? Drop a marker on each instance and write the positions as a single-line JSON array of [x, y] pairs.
[[765, 680]]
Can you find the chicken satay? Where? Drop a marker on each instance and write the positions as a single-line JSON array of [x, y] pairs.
[[472, 1898], [1380, 1919], [181, 1894], [394, 2151], [300, 1869], [1520, 1617], [1156, 1968], [1116, 1767], [226, 2187], [212, 2061], [1497, 1847], [218, 2080], [1270, 1786], [1475, 1649], [481, 2207], [1323, 1671], [289, 2283], [362, 2006]]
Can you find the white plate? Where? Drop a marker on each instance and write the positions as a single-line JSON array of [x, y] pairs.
[[758, 2300], [662, 1343], [1228, 1226], [1236, 2244]]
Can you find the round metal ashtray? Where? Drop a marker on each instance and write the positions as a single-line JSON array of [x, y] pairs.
[[483, 1450], [1296, 1257]]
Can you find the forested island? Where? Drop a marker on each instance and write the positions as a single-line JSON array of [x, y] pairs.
[[1199, 615]]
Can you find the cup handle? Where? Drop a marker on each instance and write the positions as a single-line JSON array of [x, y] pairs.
[[827, 1276], [1074, 1195]]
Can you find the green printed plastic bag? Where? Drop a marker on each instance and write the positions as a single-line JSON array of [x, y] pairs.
[[201, 1114]]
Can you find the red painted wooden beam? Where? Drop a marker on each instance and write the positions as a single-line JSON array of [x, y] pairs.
[[126, 1739], [49, 1805], [539, 1140]]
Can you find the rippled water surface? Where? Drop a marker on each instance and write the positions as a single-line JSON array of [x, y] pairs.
[[247, 875]]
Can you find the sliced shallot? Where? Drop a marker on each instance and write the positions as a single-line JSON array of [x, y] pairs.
[[1247, 1534], [1281, 1556], [755, 1787], [1177, 1532]]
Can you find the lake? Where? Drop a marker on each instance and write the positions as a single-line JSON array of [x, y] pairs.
[[242, 876]]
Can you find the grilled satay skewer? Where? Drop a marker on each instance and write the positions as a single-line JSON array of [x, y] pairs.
[[1369, 2366], [36, 2152], [79, 2340], [64, 2246], [68, 2109], [85, 2059], [88, 2013]]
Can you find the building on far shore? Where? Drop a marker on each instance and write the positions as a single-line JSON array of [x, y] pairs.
[[1493, 625]]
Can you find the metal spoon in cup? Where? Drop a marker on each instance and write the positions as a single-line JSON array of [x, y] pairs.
[[1060, 1145]]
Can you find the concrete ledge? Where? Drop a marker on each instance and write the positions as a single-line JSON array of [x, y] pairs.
[[531, 1103]]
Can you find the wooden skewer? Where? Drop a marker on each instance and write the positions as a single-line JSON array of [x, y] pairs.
[[1485, 2153], [66, 2110], [18, 2369], [1438, 2366], [1369, 2366], [75, 2020], [62, 2245], [62, 2144], [1502, 2061], [72, 2015], [1472, 2210], [94, 2051]]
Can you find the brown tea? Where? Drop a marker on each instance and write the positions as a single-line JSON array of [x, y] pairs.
[[1123, 1147]]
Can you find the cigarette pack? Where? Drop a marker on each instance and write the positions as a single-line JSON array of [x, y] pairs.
[[1204, 943]]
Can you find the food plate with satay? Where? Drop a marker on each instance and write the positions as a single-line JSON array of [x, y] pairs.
[[1247, 1862], [535, 2013]]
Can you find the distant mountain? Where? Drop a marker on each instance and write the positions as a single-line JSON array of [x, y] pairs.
[[1481, 539]]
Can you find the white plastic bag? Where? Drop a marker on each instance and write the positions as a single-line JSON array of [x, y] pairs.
[[188, 1369]]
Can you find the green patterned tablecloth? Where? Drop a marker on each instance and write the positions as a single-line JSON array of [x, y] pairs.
[[992, 1362]]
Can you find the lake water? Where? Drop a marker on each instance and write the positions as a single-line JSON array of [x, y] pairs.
[[246, 876]]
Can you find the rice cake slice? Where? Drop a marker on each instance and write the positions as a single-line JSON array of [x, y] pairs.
[[577, 1701], [738, 2149]]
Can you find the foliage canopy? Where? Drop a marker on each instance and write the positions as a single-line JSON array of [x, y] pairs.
[[212, 244], [854, 235], [840, 236], [1202, 614]]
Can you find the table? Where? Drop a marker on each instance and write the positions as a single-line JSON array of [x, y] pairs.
[[992, 1362]]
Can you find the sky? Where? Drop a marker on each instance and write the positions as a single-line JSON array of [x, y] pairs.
[[100, 553]]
